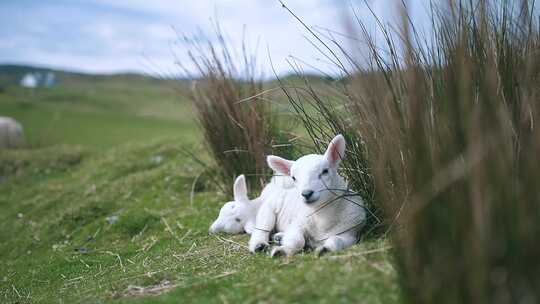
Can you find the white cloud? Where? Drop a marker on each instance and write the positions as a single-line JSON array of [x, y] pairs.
[[119, 35]]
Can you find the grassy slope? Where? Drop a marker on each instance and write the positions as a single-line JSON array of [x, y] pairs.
[[56, 202], [99, 113], [120, 157]]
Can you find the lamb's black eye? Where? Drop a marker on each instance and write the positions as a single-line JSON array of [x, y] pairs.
[[294, 178], [324, 172], [237, 219]]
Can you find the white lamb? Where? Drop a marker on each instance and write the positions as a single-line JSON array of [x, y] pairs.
[[238, 216], [319, 212], [11, 133]]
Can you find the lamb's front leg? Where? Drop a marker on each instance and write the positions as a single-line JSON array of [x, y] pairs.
[[336, 243], [264, 224], [292, 242]]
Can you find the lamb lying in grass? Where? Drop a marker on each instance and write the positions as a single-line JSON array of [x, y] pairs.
[[319, 212], [238, 216]]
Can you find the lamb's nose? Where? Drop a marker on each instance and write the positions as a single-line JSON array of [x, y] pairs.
[[307, 193]]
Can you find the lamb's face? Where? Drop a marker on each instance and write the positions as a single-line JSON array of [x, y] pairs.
[[314, 175], [235, 216], [232, 218]]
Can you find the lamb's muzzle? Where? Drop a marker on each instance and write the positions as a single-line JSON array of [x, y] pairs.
[[308, 196]]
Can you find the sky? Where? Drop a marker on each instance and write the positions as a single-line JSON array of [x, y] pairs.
[[110, 36]]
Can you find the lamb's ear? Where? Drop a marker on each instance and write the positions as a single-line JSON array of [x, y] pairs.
[[279, 165], [240, 189], [336, 150]]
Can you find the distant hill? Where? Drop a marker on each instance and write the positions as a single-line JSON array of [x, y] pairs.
[[12, 75]]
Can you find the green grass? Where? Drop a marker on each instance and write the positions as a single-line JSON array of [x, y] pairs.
[[57, 242], [99, 114], [100, 209]]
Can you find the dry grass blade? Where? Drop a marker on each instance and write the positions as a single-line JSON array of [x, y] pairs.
[[139, 291]]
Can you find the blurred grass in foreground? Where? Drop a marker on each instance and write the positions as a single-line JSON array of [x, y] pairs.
[[449, 124]]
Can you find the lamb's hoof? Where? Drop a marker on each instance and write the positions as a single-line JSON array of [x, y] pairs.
[[277, 238], [260, 247], [277, 252], [320, 251]]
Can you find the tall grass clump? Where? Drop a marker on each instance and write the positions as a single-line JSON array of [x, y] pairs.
[[449, 124], [227, 93], [322, 105], [463, 182], [321, 109]]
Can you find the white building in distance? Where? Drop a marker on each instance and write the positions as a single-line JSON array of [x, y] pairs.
[[37, 79], [30, 81]]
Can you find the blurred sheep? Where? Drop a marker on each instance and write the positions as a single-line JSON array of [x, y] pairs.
[[11, 133]]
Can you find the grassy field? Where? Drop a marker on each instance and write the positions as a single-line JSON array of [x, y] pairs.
[[99, 113], [104, 208]]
